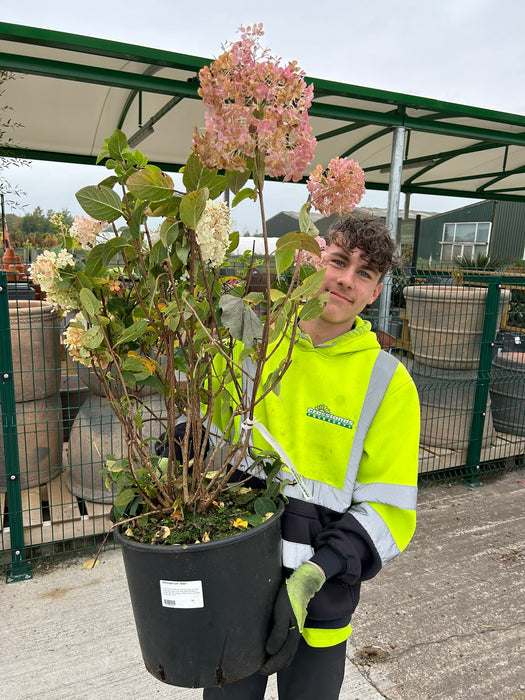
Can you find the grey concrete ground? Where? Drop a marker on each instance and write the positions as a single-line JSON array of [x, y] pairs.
[[445, 620]]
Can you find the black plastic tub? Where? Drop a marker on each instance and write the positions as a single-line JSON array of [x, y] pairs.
[[203, 611]]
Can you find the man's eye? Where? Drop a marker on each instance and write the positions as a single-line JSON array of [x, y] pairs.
[[364, 273]]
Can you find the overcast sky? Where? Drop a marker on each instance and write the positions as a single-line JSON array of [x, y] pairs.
[[466, 51]]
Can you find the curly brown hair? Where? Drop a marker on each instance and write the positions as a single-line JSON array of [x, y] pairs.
[[368, 234]]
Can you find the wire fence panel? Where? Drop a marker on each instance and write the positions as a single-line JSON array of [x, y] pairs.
[[462, 340]]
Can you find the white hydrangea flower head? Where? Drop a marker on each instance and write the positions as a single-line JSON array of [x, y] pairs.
[[213, 231]]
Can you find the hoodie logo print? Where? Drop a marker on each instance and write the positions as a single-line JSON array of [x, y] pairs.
[[323, 413]]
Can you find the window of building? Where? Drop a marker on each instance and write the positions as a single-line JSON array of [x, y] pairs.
[[465, 239]]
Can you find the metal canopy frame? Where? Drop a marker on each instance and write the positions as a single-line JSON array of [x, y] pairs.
[[75, 90]]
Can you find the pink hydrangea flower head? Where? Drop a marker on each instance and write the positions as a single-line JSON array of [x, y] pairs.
[[255, 105], [339, 189], [85, 231]]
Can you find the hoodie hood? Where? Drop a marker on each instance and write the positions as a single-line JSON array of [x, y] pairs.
[[358, 339]]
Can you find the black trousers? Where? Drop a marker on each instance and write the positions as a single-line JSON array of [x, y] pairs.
[[314, 673]]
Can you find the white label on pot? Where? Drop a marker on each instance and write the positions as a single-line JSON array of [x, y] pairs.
[[181, 594]]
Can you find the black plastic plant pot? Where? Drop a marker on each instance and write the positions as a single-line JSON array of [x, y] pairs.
[[203, 611]]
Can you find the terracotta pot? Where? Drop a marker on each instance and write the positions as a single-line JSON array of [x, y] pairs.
[[446, 324], [97, 432], [40, 440], [35, 342], [507, 392]]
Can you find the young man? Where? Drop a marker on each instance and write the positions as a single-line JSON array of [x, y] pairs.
[[348, 417]]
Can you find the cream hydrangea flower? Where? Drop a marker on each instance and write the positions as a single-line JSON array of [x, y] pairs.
[[74, 342], [46, 272], [213, 232]]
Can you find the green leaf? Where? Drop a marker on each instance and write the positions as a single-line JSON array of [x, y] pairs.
[[117, 144], [283, 259], [236, 180], [298, 240], [136, 330], [124, 498], [313, 307], [102, 203], [192, 206], [197, 177], [84, 280], [169, 231], [94, 265], [92, 338], [306, 225], [183, 252], [255, 297], [288, 244], [264, 505], [310, 285], [150, 184], [134, 365], [90, 302], [243, 323], [247, 192], [111, 248], [234, 242], [109, 181], [168, 207]]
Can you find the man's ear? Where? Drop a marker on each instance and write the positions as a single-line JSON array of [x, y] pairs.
[[376, 292]]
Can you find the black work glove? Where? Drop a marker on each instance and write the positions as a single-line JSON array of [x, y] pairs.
[[285, 635]]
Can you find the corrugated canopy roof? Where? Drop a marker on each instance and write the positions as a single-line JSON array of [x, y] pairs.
[[75, 90]]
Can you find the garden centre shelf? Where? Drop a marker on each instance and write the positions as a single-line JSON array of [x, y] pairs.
[[51, 513]]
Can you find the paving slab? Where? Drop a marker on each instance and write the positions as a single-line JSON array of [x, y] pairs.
[[69, 634], [446, 620]]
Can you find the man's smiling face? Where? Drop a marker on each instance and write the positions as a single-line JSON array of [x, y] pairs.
[[352, 283]]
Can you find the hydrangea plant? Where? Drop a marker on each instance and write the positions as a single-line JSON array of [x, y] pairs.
[[153, 309]]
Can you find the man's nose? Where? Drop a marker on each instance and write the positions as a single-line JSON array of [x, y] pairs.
[[346, 277]]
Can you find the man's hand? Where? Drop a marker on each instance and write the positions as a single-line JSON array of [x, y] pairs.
[[289, 614]]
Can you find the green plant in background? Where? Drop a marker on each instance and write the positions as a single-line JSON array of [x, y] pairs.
[[154, 313], [481, 262]]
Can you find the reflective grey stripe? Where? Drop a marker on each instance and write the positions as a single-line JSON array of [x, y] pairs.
[[295, 554], [378, 531], [382, 373], [391, 494]]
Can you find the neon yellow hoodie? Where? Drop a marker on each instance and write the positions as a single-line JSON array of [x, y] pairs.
[[361, 469]]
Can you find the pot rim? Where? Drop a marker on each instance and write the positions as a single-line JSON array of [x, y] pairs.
[[166, 550]]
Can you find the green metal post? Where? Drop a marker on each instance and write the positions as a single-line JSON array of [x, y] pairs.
[[483, 381], [20, 569]]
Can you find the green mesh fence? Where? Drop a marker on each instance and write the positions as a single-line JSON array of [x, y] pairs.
[[461, 338]]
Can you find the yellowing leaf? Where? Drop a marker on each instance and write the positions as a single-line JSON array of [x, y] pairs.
[[240, 524], [90, 564], [206, 537], [161, 534]]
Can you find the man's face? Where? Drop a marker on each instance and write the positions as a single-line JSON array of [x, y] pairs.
[[352, 284]]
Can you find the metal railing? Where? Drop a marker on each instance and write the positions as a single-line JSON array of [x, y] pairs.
[[55, 429]]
